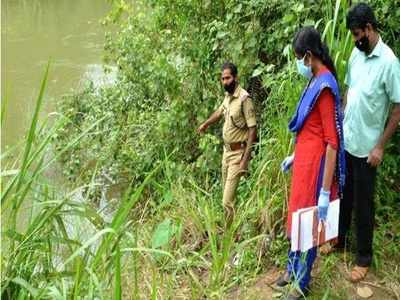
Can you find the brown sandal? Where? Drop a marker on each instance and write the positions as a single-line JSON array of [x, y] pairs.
[[358, 273], [330, 248], [326, 249]]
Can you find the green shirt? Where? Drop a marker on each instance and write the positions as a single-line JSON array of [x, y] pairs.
[[373, 83]]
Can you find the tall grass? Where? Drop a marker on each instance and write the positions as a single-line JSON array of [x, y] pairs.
[[42, 255], [337, 36], [167, 244]]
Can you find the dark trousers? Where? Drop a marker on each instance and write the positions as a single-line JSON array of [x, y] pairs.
[[358, 195]]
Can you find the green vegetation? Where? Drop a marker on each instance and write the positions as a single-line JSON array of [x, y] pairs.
[[134, 144]]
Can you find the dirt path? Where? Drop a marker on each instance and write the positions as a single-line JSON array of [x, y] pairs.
[[338, 286]]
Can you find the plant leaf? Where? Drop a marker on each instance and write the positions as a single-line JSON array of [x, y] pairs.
[[163, 234]]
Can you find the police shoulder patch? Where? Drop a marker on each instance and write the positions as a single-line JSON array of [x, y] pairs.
[[244, 96]]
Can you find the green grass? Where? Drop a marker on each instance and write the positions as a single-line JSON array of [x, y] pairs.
[[167, 237], [39, 256]]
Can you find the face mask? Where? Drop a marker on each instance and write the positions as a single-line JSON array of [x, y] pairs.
[[303, 69], [362, 44], [230, 88]]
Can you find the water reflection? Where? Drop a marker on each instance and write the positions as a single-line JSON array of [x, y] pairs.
[[66, 31]]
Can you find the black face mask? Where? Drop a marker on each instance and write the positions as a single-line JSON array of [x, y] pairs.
[[230, 88], [362, 44]]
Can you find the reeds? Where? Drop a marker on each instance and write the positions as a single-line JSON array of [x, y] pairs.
[[66, 250]]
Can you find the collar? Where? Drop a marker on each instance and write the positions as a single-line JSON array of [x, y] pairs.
[[235, 94], [377, 49]]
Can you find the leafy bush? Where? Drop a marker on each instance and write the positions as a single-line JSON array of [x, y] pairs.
[[166, 237], [168, 55]]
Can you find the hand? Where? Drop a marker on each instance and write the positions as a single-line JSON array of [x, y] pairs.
[[203, 127], [375, 156], [243, 167], [287, 163], [323, 203]]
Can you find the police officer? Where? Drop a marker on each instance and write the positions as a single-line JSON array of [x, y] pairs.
[[239, 134]]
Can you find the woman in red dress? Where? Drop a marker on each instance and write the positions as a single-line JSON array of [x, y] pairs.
[[318, 153]]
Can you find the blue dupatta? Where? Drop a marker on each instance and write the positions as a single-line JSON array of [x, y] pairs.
[[304, 107]]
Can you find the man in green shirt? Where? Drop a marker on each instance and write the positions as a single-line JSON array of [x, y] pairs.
[[373, 93]]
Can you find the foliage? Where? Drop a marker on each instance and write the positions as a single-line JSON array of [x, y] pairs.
[[167, 230]]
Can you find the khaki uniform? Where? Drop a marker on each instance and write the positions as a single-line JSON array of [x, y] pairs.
[[239, 115]]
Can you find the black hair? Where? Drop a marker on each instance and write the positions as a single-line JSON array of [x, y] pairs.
[[359, 16], [309, 39], [231, 66]]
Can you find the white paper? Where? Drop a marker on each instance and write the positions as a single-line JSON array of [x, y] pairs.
[[332, 220], [302, 237], [295, 232], [306, 230]]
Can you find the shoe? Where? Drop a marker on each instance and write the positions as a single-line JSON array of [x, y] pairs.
[[329, 248], [358, 273], [283, 280]]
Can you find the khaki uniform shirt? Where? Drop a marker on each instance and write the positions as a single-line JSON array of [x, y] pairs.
[[239, 114]]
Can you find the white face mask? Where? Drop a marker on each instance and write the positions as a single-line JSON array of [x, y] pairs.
[[303, 69]]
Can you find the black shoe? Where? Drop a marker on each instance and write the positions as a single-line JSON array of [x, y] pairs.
[[283, 280]]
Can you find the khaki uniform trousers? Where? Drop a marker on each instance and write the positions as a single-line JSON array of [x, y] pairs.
[[230, 180]]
